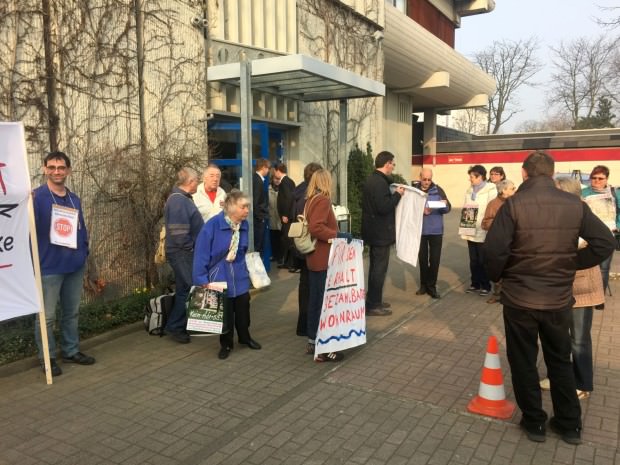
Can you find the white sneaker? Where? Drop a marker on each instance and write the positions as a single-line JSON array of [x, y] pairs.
[[545, 384], [581, 395]]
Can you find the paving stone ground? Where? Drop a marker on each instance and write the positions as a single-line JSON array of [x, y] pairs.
[[399, 399]]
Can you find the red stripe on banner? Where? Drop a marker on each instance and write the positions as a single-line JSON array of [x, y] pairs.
[[6, 266], [517, 156]]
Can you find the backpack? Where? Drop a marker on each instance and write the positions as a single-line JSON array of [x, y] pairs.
[[156, 314], [299, 232]]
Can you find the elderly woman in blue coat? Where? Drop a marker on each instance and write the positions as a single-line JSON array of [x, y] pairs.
[[219, 256]]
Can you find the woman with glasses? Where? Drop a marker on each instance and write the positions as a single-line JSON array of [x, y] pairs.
[[604, 201], [497, 174]]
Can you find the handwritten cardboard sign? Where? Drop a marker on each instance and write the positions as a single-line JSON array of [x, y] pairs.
[[343, 316]]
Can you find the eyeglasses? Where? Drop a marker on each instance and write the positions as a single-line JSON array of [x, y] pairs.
[[62, 169], [496, 174], [426, 179], [598, 178]]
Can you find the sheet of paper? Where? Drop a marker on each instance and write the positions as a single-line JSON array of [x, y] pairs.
[[435, 204]]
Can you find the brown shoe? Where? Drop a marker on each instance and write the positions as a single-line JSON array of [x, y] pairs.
[[492, 300]]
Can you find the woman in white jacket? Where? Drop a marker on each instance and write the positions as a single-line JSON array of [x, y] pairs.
[[477, 196]]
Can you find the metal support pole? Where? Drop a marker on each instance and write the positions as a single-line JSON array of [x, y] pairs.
[[343, 156], [246, 140]]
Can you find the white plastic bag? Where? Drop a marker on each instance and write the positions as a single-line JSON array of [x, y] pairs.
[[256, 268]]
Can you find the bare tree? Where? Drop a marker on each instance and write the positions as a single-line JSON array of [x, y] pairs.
[[471, 120], [553, 122], [584, 72], [612, 22], [513, 65]]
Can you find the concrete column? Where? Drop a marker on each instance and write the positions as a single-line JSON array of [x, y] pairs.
[[246, 140], [430, 134], [343, 156]]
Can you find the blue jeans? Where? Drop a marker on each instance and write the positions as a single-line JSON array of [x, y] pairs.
[[66, 289], [315, 302], [581, 348], [605, 266], [181, 262]]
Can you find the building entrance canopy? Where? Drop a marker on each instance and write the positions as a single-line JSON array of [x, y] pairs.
[[300, 77], [297, 77]]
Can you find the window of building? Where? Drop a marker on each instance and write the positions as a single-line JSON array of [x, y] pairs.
[[399, 4]]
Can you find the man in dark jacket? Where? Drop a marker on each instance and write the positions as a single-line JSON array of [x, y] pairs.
[[183, 223], [532, 247], [286, 212], [429, 255], [260, 203], [379, 229]]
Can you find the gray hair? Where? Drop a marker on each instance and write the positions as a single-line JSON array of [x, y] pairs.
[[186, 175], [502, 185], [233, 197], [570, 185]]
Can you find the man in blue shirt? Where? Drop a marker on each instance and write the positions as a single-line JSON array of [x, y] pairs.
[[63, 248]]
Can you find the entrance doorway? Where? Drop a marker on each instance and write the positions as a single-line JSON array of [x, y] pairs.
[[225, 147]]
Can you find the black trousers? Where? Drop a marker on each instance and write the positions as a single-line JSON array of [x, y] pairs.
[[429, 257], [523, 328], [479, 278], [303, 297], [259, 235], [377, 270], [239, 308]]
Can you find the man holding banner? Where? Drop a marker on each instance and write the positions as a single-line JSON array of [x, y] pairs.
[[63, 248]]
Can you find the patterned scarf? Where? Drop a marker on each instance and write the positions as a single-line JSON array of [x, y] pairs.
[[234, 241]]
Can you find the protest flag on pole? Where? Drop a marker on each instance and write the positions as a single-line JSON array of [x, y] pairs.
[[20, 275]]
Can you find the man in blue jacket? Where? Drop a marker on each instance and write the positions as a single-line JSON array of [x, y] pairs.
[[63, 248], [429, 255], [183, 223]]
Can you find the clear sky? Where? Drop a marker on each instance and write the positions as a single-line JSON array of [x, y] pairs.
[[551, 21]]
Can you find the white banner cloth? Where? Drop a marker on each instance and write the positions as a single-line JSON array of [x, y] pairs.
[[17, 282], [343, 316], [409, 216]]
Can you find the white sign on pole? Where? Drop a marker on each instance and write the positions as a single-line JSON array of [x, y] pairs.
[[343, 317], [17, 279]]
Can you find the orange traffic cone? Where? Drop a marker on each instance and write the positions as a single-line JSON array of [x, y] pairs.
[[491, 399]]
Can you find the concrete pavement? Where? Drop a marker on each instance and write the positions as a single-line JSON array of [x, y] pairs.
[[400, 399]]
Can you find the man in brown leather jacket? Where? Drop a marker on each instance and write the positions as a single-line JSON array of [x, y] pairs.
[[532, 247]]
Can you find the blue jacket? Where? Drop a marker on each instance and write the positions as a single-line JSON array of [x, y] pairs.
[[183, 221], [210, 263], [56, 259], [432, 225]]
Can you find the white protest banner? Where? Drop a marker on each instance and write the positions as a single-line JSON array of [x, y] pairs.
[[343, 317], [17, 280]]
